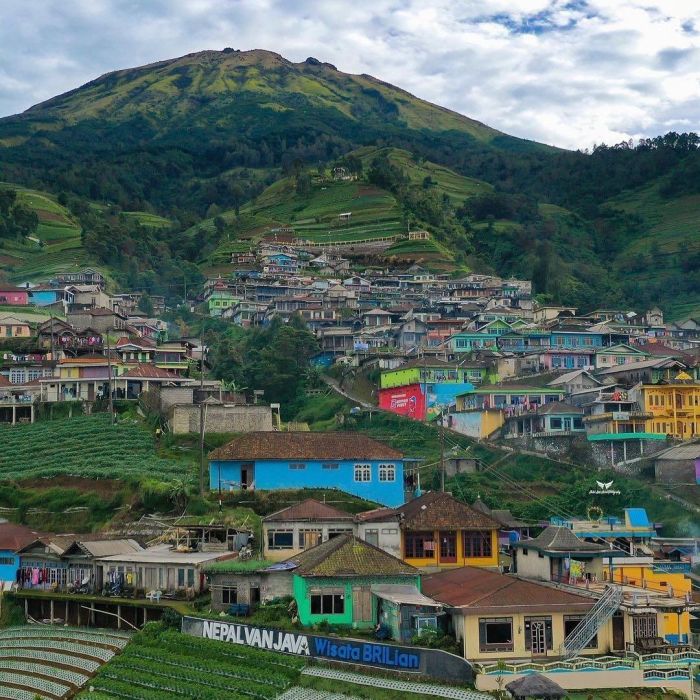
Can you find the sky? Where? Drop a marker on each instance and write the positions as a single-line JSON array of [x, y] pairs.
[[571, 73]]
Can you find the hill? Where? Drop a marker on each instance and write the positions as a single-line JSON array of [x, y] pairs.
[[170, 167]]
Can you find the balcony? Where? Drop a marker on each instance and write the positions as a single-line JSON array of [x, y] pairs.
[[23, 400]]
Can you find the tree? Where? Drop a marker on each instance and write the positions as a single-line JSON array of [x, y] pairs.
[[145, 304]]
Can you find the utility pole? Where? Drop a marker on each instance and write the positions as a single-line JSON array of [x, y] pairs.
[[201, 417], [109, 379], [442, 453]]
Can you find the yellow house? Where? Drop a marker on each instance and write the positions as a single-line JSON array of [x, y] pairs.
[[12, 327], [438, 531], [675, 407]]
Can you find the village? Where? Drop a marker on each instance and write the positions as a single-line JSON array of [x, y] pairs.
[[601, 599]]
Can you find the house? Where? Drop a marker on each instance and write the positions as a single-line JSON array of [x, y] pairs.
[[238, 582], [79, 378], [503, 396], [542, 314], [572, 382], [302, 526], [291, 460], [576, 338], [511, 530], [465, 341], [411, 334], [674, 407], [44, 295], [438, 531], [89, 296], [13, 327], [14, 296], [502, 616], [57, 334], [565, 358], [651, 371], [86, 276], [160, 568], [418, 236], [220, 300], [13, 538], [550, 420], [377, 317], [619, 354], [557, 554], [98, 318], [333, 582], [173, 356]]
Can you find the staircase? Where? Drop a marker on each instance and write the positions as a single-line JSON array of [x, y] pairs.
[[599, 614]]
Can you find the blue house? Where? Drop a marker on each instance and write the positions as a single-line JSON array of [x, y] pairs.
[[577, 339], [45, 296], [269, 461], [13, 538]]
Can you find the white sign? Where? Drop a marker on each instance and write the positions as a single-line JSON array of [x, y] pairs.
[[272, 640]]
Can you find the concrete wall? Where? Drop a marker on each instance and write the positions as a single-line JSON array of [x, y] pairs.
[[675, 471], [220, 418], [271, 585], [389, 536]]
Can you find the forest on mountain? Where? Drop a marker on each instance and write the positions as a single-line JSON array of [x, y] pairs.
[[197, 138]]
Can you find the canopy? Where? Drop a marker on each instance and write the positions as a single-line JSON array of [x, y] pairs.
[[403, 595]]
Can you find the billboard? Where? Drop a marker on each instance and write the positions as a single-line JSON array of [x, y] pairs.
[[407, 401], [390, 657]]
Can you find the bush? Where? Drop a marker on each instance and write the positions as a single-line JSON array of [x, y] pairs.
[[171, 619]]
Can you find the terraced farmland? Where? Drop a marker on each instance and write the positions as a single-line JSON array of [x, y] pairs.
[[52, 662], [86, 446], [159, 665]]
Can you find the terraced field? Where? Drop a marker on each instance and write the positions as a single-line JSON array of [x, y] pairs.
[[159, 665], [85, 446], [53, 662]]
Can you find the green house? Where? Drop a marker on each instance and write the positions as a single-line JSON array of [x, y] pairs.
[[333, 582]]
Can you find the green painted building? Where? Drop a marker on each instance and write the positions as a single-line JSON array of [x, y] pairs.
[[333, 581], [435, 371]]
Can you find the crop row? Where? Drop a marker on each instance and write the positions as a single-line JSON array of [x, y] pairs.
[[243, 672]]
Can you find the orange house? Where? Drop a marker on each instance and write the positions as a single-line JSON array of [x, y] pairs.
[[438, 531]]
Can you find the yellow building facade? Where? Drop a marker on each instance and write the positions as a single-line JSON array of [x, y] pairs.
[[675, 408]]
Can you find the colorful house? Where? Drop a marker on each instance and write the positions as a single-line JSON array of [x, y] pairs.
[[438, 531], [575, 339], [468, 341], [550, 420], [620, 354], [220, 300], [675, 407], [13, 327], [13, 538], [334, 583], [279, 460], [14, 296], [505, 396]]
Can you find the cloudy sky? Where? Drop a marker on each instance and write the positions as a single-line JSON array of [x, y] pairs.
[[566, 72]]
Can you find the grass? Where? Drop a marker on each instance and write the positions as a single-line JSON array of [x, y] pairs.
[[234, 565], [148, 220], [365, 692]]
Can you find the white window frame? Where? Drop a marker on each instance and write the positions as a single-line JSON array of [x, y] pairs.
[[363, 473], [387, 473]]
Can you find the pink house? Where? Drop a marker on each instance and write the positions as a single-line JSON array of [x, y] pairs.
[[14, 296]]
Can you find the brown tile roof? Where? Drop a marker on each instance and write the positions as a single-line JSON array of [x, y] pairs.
[[475, 589], [377, 515], [346, 555], [304, 445], [505, 517], [442, 511], [145, 371], [13, 537], [310, 509]]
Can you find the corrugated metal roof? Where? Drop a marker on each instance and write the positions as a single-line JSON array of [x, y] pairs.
[[691, 451], [408, 595]]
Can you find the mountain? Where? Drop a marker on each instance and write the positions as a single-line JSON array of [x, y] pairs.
[[168, 168]]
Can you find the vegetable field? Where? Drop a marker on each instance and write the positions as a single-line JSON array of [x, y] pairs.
[[159, 665], [86, 446]]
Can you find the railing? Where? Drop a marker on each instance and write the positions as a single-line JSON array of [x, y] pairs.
[[680, 674], [673, 567], [692, 656], [601, 612], [601, 663]]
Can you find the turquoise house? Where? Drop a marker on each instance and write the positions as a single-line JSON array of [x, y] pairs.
[[269, 461], [576, 339], [348, 582]]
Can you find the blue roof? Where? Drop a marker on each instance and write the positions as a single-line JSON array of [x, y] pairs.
[[637, 517]]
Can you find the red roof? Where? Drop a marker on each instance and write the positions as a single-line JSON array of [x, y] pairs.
[[479, 590], [13, 537]]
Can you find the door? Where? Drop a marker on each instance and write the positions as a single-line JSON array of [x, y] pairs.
[[91, 391], [247, 475], [566, 423], [448, 547], [618, 632], [538, 637]]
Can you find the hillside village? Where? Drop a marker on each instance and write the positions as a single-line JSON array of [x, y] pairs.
[[475, 355]]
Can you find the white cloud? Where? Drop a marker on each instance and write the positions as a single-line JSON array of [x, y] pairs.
[[567, 72]]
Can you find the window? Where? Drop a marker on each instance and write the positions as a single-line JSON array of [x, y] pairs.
[[555, 423], [329, 465], [372, 537], [419, 545], [309, 538], [477, 543], [387, 472], [180, 578], [337, 531], [7, 561], [280, 539], [578, 423], [496, 634], [390, 531], [190, 578], [525, 550], [571, 623], [363, 472], [328, 602], [297, 465], [229, 595], [538, 634], [425, 623]]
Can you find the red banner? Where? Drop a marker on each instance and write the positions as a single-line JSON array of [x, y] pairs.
[[407, 401]]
